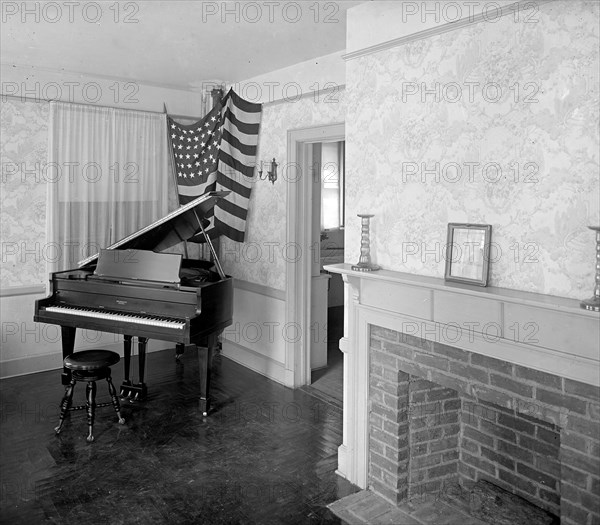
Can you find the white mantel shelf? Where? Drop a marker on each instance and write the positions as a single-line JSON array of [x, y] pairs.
[[542, 332], [501, 294]]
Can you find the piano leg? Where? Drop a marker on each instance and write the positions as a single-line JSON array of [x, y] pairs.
[[68, 344], [205, 363], [179, 350], [142, 342], [126, 364]]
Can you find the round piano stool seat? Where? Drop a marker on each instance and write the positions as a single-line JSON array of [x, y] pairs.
[[89, 366]]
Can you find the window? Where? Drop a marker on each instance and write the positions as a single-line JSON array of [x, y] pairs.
[[107, 177], [332, 185]]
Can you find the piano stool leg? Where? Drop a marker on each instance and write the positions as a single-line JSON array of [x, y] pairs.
[[90, 404], [65, 404], [115, 400]]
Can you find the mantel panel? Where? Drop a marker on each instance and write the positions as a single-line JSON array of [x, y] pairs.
[[397, 297], [466, 311], [563, 331]]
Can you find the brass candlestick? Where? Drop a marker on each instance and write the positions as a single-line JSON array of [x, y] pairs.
[[364, 262], [593, 303]]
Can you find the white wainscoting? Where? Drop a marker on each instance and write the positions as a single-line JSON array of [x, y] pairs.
[[256, 339]]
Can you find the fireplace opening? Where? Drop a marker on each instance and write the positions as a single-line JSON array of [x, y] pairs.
[[498, 464]]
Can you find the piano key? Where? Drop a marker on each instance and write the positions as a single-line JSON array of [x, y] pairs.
[[115, 316]]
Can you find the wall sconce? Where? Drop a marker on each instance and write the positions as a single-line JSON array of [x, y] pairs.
[[272, 174]]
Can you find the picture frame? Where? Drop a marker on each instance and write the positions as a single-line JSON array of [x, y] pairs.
[[468, 253]]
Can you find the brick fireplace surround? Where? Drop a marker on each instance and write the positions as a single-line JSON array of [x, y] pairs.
[[442, 411]]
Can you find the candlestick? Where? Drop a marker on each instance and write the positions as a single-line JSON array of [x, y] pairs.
[[593, 303], [364, 262]]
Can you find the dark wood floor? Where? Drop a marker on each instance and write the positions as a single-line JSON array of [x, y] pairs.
[[328, 383], [265, 455]]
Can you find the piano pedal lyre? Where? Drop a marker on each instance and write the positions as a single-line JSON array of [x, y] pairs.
[[179, 350], [133, 392]]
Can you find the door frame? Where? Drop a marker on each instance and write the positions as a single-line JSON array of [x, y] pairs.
[[298, 249]]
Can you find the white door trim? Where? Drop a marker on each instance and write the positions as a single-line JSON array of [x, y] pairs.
[[298, 250]]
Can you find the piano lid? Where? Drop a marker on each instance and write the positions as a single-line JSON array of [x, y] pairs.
[[179, 225]]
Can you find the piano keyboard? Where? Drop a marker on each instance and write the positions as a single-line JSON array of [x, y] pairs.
[[112, 316]]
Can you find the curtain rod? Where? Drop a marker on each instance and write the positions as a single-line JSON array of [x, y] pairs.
[[23, 99]]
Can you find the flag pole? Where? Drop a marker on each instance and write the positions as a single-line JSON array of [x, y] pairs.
[[173, 169]]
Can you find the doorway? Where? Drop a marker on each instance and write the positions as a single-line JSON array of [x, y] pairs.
[[327, 301], [302, 232]]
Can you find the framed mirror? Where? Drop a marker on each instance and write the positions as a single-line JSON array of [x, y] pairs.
[[468, 253]]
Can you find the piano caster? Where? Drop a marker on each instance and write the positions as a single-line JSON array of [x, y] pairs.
[[204, 407]]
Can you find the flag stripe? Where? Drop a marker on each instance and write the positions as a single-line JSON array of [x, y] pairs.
[[233, 209], [225, 229], [246, 126], [246, 147], [192, 191], [231, 157], [242, 104], [235, 185]]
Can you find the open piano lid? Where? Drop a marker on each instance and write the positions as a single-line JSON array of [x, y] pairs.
[[179, 225]]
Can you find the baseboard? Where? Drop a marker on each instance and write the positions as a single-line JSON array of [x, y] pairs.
[[254, 361]]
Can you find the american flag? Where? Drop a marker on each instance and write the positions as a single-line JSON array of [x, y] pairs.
[[219, 153]]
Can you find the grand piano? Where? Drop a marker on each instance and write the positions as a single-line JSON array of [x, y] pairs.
[[130, 288]]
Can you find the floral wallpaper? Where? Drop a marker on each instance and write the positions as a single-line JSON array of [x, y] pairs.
[[496, 123], [23, 150], [262, 257]]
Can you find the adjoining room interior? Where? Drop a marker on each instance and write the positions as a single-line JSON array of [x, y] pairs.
[[328, 206], [341, 260]]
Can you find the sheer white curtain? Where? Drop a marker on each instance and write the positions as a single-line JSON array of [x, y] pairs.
[[107, 177]]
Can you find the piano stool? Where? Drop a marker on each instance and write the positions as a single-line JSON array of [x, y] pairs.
[[89, 366]]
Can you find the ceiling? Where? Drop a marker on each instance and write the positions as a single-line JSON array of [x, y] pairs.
[[171, 43]]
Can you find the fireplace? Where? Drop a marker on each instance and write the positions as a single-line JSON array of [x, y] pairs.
[[426, 438], [440, 410]]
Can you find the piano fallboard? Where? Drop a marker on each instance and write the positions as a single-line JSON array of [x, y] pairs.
[[126, 297]]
